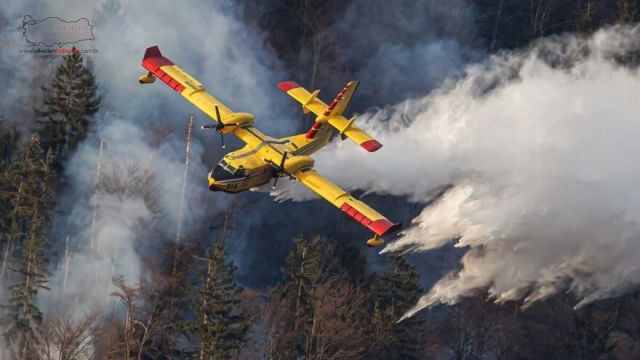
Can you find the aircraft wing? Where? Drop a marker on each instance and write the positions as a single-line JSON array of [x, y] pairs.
[[185, 85], [309, 101], [332, 113], [341, 199]]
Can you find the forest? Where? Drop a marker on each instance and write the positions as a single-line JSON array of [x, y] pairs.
[[198, 289]]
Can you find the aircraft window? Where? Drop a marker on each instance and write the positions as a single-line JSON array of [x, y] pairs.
[[221, 173], [225, 171], [226, 166]]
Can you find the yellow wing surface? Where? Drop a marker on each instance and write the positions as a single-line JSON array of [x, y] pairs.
[[341, 199], [331, 113], [240, 123], [191, 89]]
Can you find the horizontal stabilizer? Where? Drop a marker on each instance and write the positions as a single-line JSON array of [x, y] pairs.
[[331, 113]]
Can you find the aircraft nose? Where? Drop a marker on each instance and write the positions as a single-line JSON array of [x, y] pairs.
[[212, 184]]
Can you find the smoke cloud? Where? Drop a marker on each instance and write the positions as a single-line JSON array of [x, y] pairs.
[[383, 42], [537, 150], [206, 39], [536, 147]]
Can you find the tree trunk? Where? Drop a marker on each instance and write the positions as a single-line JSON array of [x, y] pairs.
[[494, 37], [8, 248], [9, 245], [311, 338], [295, 325], [317, 48]]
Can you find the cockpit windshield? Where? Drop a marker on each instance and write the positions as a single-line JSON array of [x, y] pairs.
[[225, 171]]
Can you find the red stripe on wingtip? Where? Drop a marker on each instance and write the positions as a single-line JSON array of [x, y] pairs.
[[153, 59], [371, 145], [382, 226], [288, 85], [152, 51]]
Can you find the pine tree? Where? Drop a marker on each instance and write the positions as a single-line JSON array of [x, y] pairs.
[[311, 273], [31, 178], [395, 292], [9, 141], [307, 266], [219, 327], [70, 102], [590, 336], [626, 11], [586, 16]]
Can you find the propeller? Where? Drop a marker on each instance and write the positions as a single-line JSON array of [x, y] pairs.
[[278, 169], [218, 126]]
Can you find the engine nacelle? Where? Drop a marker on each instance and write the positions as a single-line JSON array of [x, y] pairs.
[[297, 163], [239, 119]]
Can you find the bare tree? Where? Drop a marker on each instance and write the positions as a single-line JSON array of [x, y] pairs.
[[147, 314], [339, 324], [128, 296], [276, 321], [131, 180], [315, 15], [477, 328], [66, 339]]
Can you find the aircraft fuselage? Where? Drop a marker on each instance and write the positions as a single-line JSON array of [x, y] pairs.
[[235, 176]]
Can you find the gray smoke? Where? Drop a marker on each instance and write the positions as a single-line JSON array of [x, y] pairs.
[[205, 39], [539, 148], [405, 48]]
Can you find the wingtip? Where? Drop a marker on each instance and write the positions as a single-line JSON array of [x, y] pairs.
[[288, 85], [152, 51], [382, 227], [371, 145], [153, 59]]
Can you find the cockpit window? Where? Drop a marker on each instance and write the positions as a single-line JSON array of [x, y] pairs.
[[227, 166], [225, 171]]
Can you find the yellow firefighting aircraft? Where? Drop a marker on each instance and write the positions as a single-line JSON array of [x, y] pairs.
[[264, 157]]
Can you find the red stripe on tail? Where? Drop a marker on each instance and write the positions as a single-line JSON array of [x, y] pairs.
[[314, 129], [336, 100]]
